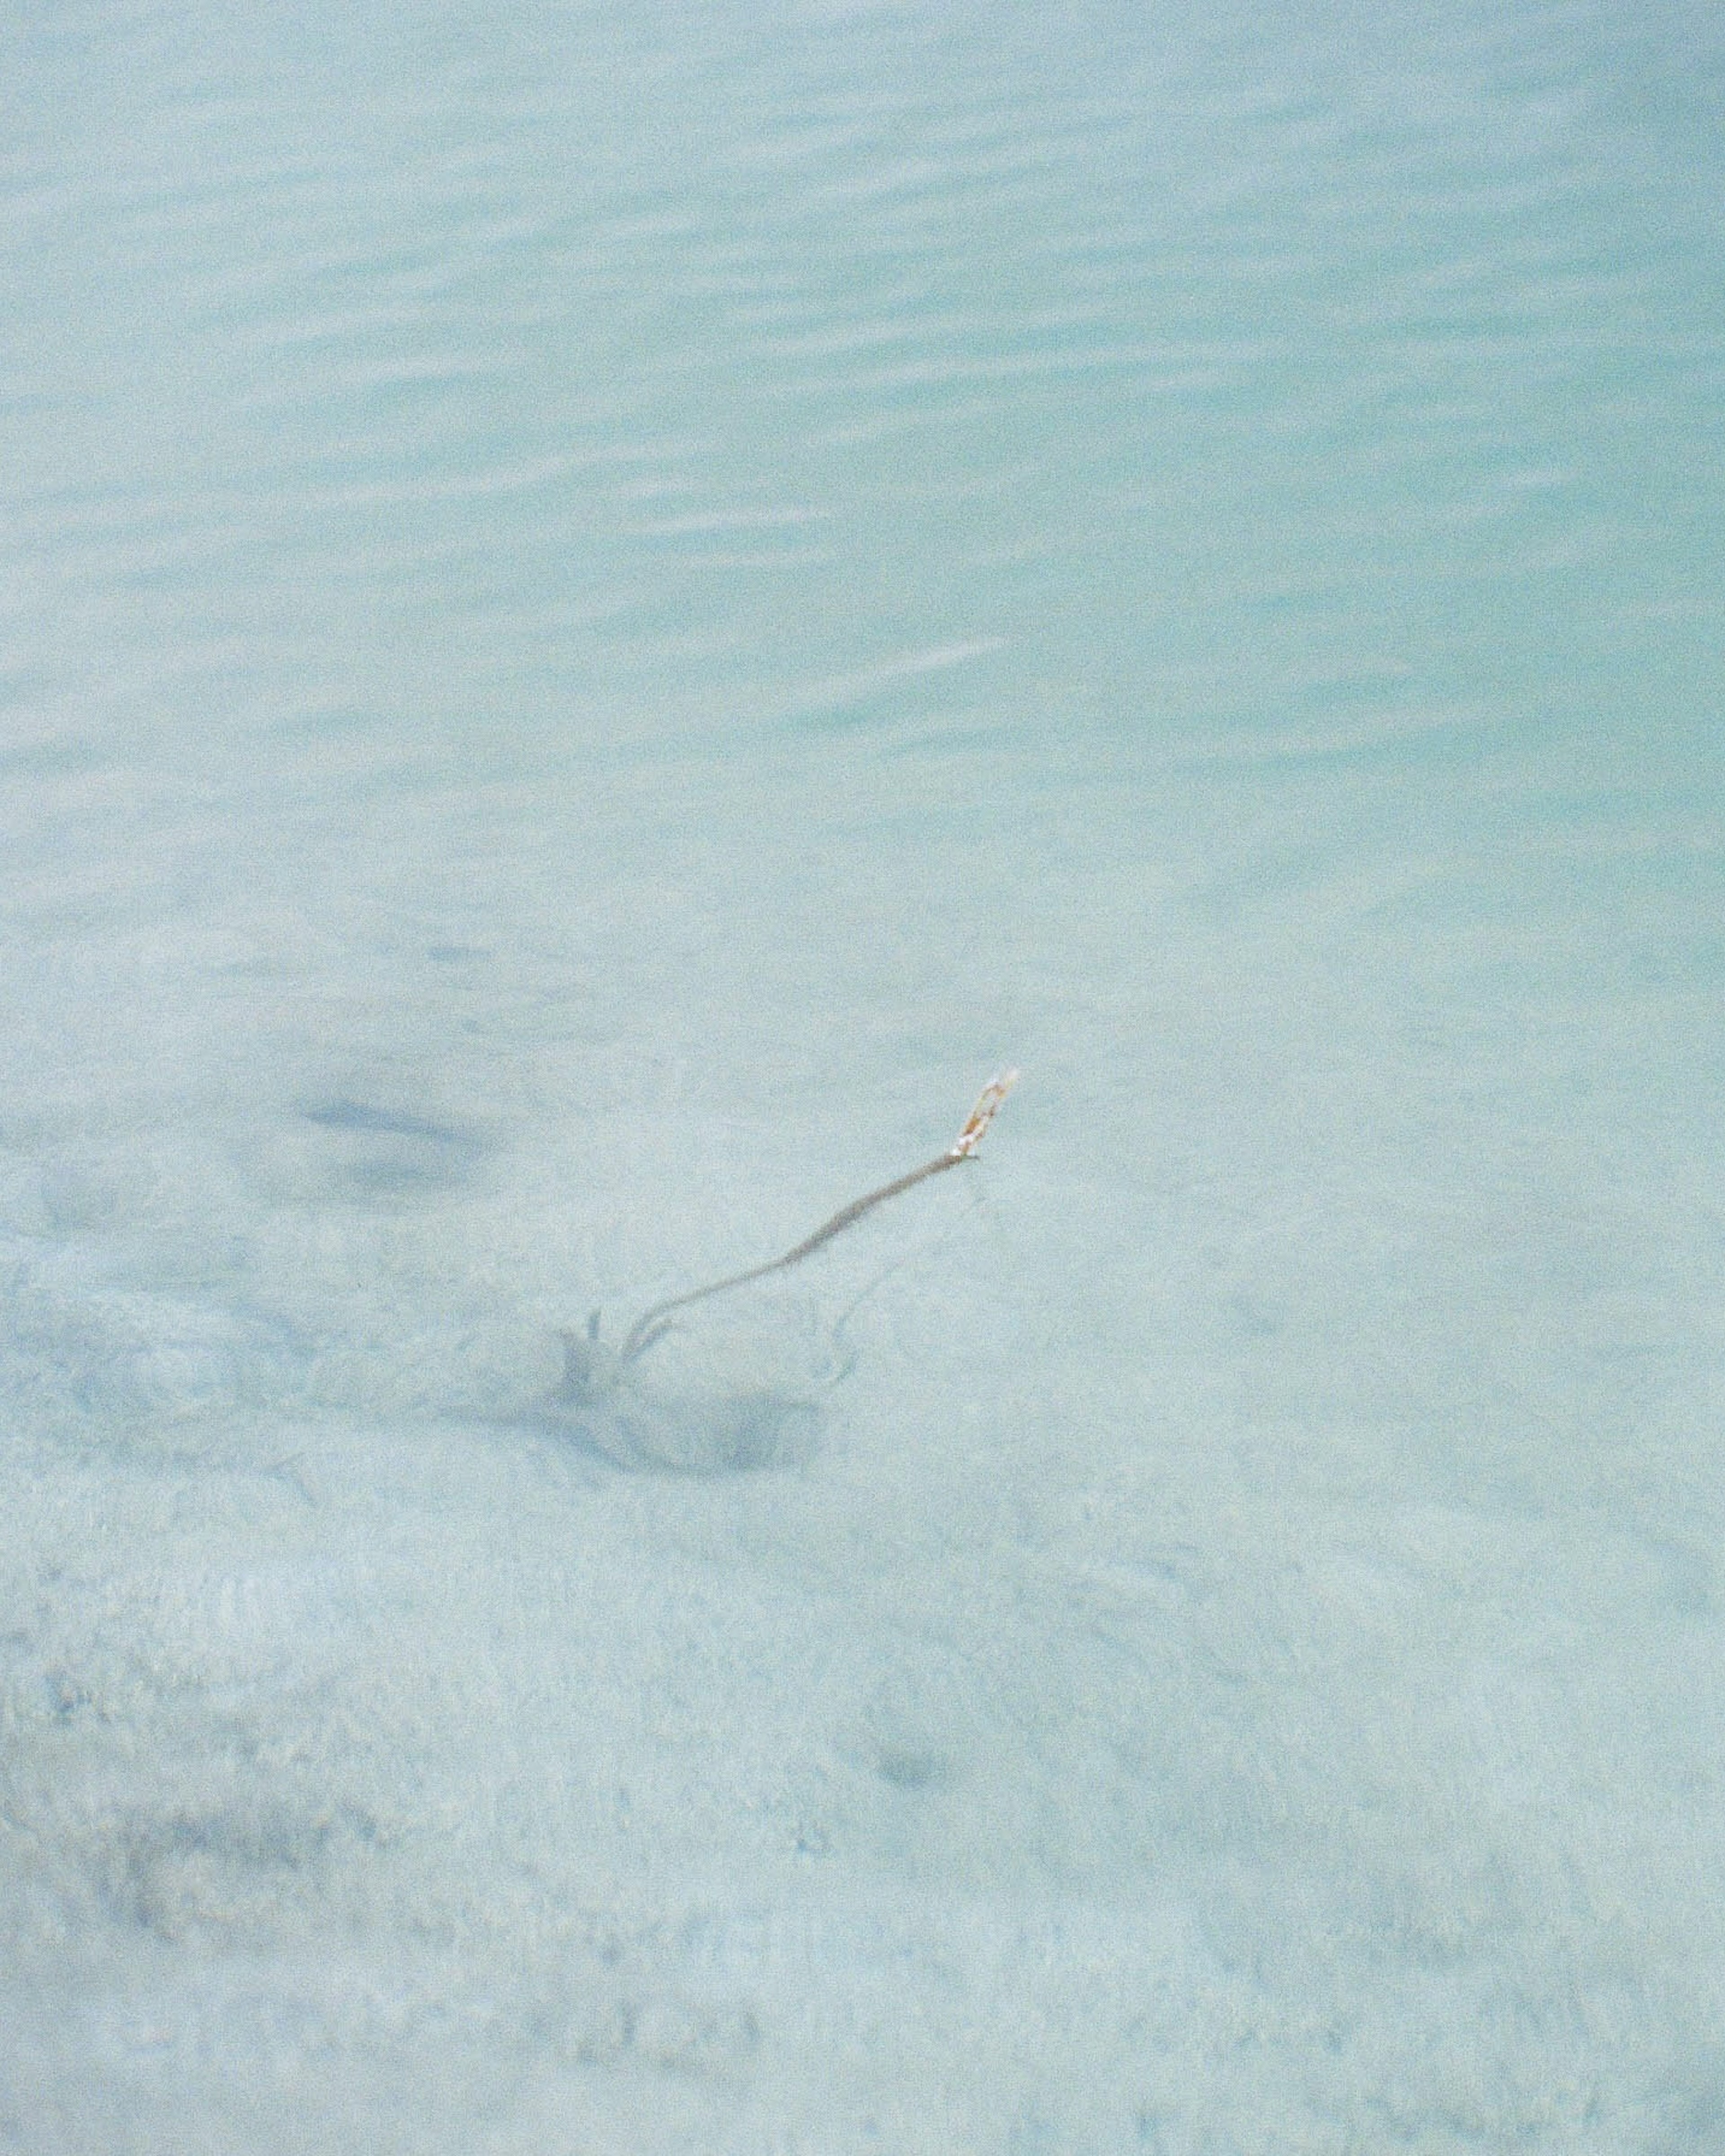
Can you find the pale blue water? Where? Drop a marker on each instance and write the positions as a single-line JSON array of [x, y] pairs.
[[604, 609]]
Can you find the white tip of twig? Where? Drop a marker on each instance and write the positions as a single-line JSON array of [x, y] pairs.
[[988, 1106]]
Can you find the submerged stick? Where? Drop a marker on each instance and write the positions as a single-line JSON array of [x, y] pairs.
[[653, 1324]]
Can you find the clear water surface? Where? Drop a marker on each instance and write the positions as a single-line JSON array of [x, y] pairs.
[[603, 607]]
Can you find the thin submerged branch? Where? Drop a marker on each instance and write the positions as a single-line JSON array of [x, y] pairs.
[[653, 1324]]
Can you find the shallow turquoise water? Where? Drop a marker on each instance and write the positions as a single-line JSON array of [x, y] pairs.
[[603, 611]]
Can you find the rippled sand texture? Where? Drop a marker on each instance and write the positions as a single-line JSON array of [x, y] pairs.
[[603, 609]]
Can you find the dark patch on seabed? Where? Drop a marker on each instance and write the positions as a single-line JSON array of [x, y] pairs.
[[393, 1153], [342, 1114]]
